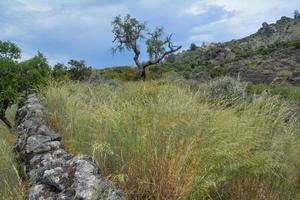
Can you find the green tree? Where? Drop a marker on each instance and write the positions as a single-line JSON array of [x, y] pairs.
[[9, 84], [60, 72], [78, 70], [9, 53], [9, 50], [129, 31], [16, 78], [193, 47], [34, 73]]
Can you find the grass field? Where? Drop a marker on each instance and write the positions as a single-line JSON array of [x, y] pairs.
[[12, 186], [161, 140]]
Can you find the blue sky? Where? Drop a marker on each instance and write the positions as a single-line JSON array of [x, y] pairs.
[[81, 29]]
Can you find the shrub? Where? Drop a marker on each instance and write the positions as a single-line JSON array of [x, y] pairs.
[[225, 90], [60, 72], [78, 70]]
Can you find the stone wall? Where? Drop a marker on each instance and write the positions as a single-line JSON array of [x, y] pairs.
[[54, 173]]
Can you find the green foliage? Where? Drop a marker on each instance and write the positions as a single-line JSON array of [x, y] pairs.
[[34, 73], [123, 73], [128, 29], [9, 84], [128, 32], [19, 77], [78, 70], [286, 91], [161, 140], [193, 47], [60, 72], [9, 50], [155, 46], [292, 43]]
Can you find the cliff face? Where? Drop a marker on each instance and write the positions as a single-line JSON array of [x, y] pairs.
[[270, 54]]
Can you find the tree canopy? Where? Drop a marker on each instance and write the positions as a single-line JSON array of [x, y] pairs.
[[17, 78], [128, 32], [9, 50]]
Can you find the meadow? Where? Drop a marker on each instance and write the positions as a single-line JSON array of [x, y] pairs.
[[165, 140]]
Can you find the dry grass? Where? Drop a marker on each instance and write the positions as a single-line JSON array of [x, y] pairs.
[[12, 187], [160, 140]]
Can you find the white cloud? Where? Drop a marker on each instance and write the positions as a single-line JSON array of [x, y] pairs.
[[33, 6], [197, 8], [241, 17]]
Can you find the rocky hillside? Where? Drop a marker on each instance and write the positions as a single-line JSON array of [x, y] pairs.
[[272, 54]]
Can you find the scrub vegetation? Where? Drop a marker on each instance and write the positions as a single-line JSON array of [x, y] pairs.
[[163, 140]]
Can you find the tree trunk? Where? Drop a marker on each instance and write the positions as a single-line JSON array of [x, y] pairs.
[[141, 75], [144, 74], [6, 122]]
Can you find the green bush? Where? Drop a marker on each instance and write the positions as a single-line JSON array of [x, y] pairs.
[[78, 70], [285, 91]]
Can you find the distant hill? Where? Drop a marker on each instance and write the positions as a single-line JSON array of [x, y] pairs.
[[271, 55]]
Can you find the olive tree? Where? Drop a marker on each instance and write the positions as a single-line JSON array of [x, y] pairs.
[[128, 31]]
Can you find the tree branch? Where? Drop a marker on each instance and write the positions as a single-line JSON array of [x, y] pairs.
[[172, 49]]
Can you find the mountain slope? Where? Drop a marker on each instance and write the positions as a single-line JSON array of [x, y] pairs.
[[271, 54]]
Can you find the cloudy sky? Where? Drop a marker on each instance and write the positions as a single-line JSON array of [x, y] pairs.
[[81, 29]]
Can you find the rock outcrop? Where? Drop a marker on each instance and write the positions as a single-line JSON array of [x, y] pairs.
[[54, 173]]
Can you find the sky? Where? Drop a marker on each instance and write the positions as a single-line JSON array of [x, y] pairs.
[[81, 29]]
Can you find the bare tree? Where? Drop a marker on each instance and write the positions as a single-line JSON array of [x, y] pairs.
[[129, 31]]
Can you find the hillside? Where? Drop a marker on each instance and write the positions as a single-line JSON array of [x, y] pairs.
[[271, 54]]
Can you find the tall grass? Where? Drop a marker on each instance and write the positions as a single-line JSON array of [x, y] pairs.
[[160, 140], [12, 186]]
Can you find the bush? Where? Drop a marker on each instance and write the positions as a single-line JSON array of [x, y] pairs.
[[60, 72], [34, 73], [286, 91], [78, 70], [225, 90]]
